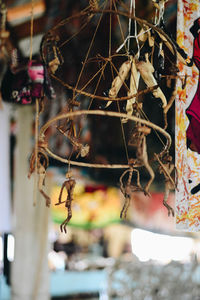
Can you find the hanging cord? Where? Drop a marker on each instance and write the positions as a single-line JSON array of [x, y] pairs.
[[80, 74], [120, 27], [135, 30], [130, 23], [88, 51], [132, 12], [31, 31], [45, 231], [112, 67], [110, 38], [36, 111], [36, 151], [3, 32], [136, 36]]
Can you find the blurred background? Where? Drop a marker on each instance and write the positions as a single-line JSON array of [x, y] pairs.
[[101, 256]]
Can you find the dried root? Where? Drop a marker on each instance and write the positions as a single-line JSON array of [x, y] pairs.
[[146, 70], [42, 164], [50, 52], [119, 80], [69, 185], [138, 140], [128, 189], [166, 168], [134, 82], [82, 150]]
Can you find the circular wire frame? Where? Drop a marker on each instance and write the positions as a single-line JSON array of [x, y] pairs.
[[99, 113], [165, 38]]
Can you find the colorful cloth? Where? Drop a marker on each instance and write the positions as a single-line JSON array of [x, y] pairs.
[[193, 111], [187, 161]]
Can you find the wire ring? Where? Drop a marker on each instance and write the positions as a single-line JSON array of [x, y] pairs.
[[99, 113], [161, 33]]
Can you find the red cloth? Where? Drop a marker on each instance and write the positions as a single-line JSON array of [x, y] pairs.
[[193, 111]]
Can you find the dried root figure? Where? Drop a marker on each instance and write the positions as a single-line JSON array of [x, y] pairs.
[[135, 68], [142, 157], [78, 147], [166, 168], [119, 80], [138, 140], [146, 70], [129, 188], [69, 185], [138, 133], [42, 164], [68, 130], [82, 150], [134, 82], [50, 52]]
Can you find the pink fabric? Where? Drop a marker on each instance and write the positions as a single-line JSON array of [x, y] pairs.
[[36, 72], [193, 111]]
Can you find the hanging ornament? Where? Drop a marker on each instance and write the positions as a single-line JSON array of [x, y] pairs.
[[120, 69]]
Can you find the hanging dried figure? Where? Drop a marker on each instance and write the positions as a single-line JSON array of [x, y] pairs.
[[134, 82], [128, 189], [138, 139], [69, 185], [42, 164], [119, 80], [50, 52], [146, 70], [82, 150], [68, 130], [166, 168]]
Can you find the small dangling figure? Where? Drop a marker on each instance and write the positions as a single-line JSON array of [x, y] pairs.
[[42, 164], [69, 185], [129, 188], [166, 168]]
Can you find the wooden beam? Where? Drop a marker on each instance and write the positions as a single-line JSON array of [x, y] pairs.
[[22, 31], [23, 11]]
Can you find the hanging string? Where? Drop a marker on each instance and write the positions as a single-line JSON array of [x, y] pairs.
[[31, 30], [112, 66], [110, 31], [36, 150], [120, 27], [136, 35], [81, 72], [36, 111], [135, 30], [110, 38], [130, 22], [88, 51]]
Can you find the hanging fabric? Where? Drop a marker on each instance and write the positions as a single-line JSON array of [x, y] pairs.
[[187, 124]]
